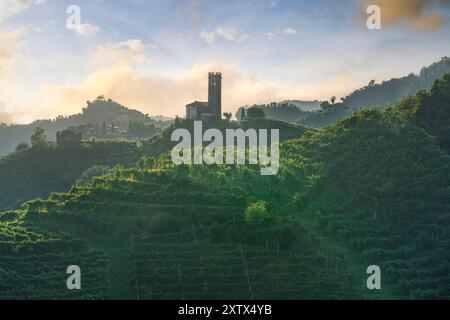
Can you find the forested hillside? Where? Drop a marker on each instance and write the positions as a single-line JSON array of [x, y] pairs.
[[370, 190], [388, 92], [376, 96], [100, 119], [45, 167]]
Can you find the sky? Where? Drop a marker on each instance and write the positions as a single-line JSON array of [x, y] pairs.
[[155, 55]]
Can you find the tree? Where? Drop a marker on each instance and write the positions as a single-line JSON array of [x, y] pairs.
[[256, 213], [255, 113], [325, 105], [39, 138], [22, 147], [333, 100], [227, 116], [240, 114], [68, 138]]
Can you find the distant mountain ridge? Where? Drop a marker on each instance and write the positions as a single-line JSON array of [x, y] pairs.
[[388, 92], [319, 114]]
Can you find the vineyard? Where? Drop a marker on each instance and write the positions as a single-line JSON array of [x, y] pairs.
[[390, 203], [201, 270], [371, 190], [33, 267]]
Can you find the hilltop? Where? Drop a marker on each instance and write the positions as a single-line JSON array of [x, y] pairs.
[[162, 142], [101, 119]]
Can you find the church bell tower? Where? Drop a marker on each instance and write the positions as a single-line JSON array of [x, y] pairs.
[[215, 94]]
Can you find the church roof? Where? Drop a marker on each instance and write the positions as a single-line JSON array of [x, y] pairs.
[[198, 104]]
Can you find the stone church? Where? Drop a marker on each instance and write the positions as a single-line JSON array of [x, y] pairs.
[[211, 110]]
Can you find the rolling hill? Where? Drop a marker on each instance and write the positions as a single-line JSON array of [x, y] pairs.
[[371, 190]]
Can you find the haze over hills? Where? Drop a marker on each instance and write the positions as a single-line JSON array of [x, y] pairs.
[[90, 122], [95, 121], [386, 93], [378, 96]]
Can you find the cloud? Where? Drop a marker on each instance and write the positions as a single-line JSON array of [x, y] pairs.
[[9, 8], [286, 31], [117, 74], [196, 12], [154, 94], [86, 29], [419, 14], [4, 116], [229, 34], [125, 52], [289, 31], [207, 36], [274, 3], [10, 56]]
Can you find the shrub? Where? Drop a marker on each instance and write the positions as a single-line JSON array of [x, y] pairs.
[[256, 213]]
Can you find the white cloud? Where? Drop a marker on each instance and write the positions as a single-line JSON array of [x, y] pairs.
[[86, 29], [10, 58], [117, 73], [155, 94], [286, 31], [289, 31], [207, 36], [9, 54], [274, 3], [229, 34], [9, 8], [4, 116], [125, 52]]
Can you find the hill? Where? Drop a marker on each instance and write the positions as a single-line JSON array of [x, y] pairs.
[[100, 119], [375, 96], [370, 190], [46, 167], [392, 91], [39, 170], [162, 143]]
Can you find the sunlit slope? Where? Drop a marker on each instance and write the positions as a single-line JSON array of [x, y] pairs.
[[162, 142]]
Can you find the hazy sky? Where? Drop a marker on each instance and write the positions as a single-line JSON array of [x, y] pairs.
[[154, 55]]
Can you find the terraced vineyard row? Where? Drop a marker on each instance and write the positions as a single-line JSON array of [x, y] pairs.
[[34, 266], [416, 259], [202, 270]]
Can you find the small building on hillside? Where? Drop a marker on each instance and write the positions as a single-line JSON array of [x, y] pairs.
[[196, 110]]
